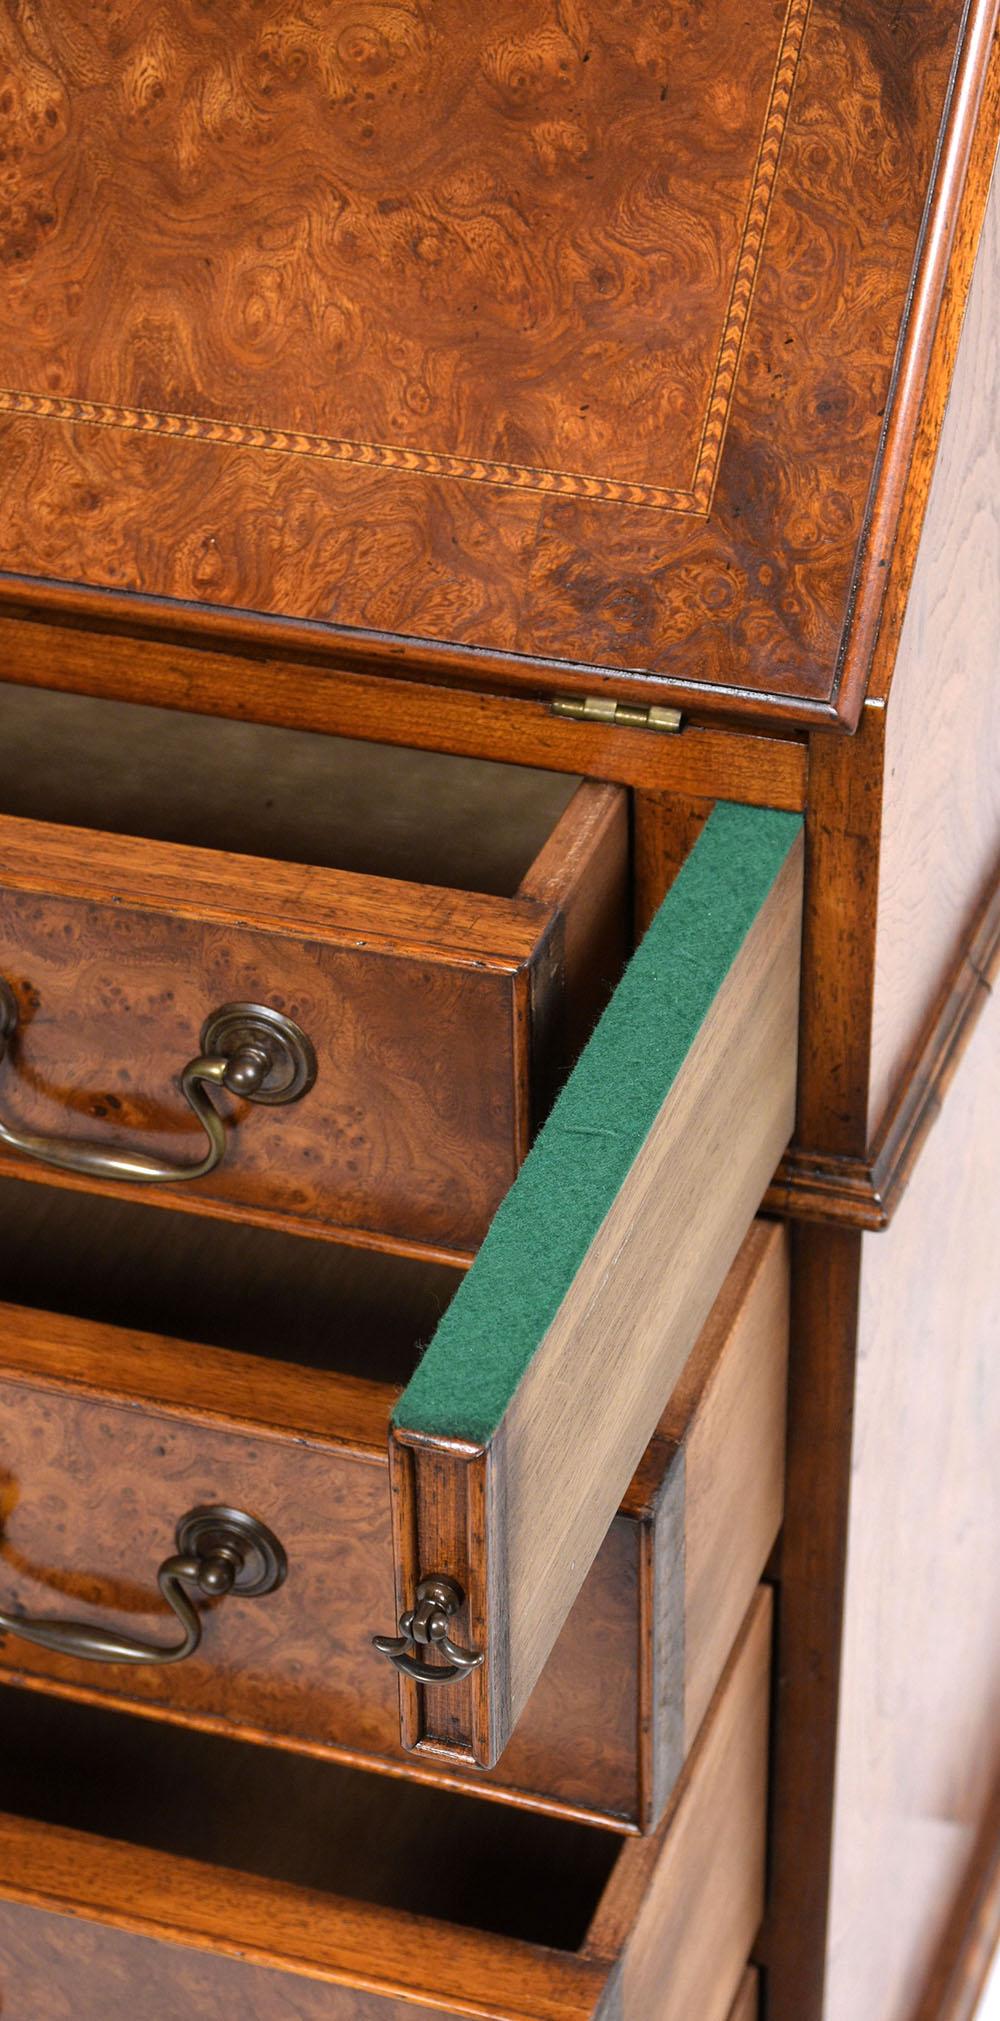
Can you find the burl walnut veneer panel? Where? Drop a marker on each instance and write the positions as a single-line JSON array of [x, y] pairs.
[[560, 333]]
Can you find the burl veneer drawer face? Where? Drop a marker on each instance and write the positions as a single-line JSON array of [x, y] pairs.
[[110, 1435], [442, 932], [142, 1870]]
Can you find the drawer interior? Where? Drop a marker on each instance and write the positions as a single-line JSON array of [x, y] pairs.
[[356, 1312], [291, 795], [341, 1894], [338, 1830]]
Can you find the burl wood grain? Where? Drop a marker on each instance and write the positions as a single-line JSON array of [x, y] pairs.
[[438, 310], [109, 1436], [420, 1003], [558, 336], [93, 1484]]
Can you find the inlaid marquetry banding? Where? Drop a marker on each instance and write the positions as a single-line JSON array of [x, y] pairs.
[[694, 497]]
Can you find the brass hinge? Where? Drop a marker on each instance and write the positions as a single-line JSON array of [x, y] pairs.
[[623, 715]]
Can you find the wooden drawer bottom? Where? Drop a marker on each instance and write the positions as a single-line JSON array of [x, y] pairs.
[[228, 1881]]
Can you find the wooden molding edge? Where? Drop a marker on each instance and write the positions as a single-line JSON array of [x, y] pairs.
[[927, 351], [864, 1193], [338, 649]]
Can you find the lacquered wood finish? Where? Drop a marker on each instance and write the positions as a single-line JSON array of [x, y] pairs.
[[423, 1006], [281, 792], [126, 1926], [844, 231], [109, 1436], [557, 456], [89, 1919]]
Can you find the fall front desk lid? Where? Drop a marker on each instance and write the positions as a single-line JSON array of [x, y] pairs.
[[553, 340]]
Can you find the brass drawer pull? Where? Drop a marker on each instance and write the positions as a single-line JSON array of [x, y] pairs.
[[252, 1051], [219, 1551], [426, 1626]]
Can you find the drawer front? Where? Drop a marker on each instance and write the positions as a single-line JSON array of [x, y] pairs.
[[109, 1438], [437, 1019], [100, 1926]]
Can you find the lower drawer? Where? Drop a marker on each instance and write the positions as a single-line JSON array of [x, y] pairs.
[[110, 1434], [144, 1871]]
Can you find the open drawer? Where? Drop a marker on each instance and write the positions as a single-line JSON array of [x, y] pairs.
[[143, 1871], [515, 1440], [110, 1434], [424, 942], [517, 1436]]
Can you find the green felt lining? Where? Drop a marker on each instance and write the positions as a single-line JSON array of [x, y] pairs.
[[568, 1182]]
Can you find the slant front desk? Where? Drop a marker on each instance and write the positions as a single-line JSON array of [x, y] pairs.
[[499, 895]]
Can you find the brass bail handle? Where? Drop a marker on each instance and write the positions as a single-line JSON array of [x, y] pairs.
[[219, 1551], [252, 1051], [425, 1626]]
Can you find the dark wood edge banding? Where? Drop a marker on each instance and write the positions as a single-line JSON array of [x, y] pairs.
[[864, 1193]]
